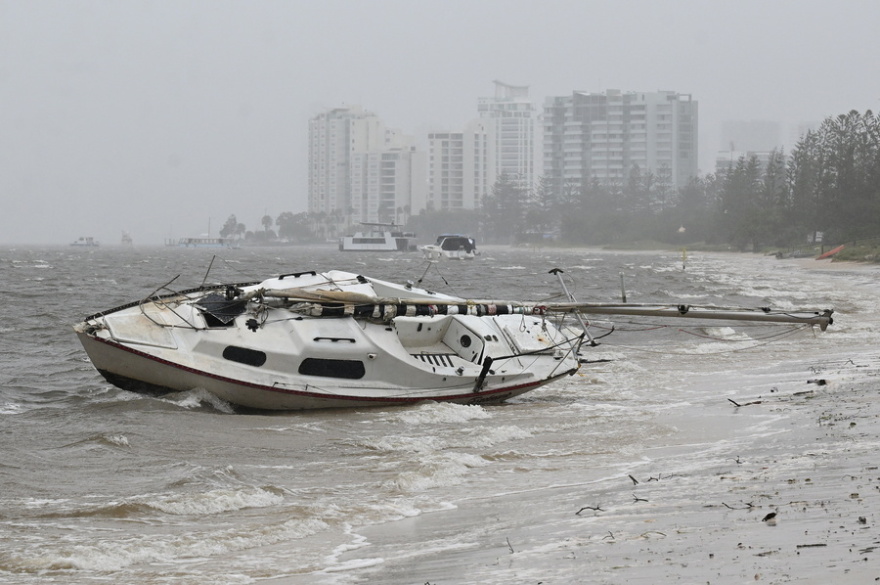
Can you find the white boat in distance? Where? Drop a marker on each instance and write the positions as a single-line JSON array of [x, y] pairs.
[[86, 242], [452, 246], [379, 237], [339, 339]]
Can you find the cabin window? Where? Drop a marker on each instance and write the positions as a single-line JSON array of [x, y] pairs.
[[351, 369], [243, 355]]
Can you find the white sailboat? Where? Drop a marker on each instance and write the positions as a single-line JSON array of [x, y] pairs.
[[339, 339]]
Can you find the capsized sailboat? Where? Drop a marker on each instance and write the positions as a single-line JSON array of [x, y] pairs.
[[338, 339]]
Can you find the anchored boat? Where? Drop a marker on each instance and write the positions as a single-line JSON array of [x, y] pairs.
[[453, 246], [377, 237], [339, 339]]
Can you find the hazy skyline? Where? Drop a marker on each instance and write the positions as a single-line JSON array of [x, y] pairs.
[[158, 117]]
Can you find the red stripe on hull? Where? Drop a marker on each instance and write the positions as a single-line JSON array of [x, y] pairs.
[[311, 400]]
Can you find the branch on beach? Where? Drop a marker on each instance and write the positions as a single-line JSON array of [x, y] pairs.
[[509, 546], [737, 404], [638, 499], [748, 506], [593, 508], [646, 534]]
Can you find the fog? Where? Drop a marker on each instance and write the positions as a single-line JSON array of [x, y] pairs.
[[162, 118]]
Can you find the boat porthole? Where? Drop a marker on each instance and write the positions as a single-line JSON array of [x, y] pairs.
[[465, 341]]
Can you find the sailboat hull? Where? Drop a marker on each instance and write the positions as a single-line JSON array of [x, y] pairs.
[[138, 371], [254, 346]]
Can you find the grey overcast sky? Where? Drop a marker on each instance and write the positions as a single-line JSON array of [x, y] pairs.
[[159, 117]]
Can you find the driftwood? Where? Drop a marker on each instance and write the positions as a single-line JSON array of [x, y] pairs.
[[737, 404]]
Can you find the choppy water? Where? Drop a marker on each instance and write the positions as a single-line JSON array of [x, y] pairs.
[[98, 484]]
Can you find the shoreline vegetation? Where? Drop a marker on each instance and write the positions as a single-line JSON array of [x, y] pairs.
[[857, 252]]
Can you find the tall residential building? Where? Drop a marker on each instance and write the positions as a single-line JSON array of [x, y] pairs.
[[460, 168], [745, 139], [750, 135], [361, 170], [387, 185], [603, 136], [511, 123], [727, 160]]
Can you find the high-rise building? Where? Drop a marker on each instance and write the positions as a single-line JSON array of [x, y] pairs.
[[460, 168], [727, 160], [511, 123], [385, 185], [361, 170], [746, 139], [751, 135], [604, 136]]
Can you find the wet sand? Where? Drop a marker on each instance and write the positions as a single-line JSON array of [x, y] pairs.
[[801, 505], [784, 488], [796, 502]]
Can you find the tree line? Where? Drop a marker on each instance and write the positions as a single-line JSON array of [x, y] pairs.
[[828, 185]]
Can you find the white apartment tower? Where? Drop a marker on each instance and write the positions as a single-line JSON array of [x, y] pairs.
[[361, 170], [511, 124], [604, 136], [460, 168]]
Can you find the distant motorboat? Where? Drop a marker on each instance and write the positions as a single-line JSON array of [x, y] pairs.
[[452, 246], [378, 237], [86, 242]]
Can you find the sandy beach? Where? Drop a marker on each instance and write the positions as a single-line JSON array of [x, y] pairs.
[[801, 505], [796, 503], [786, 490]]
